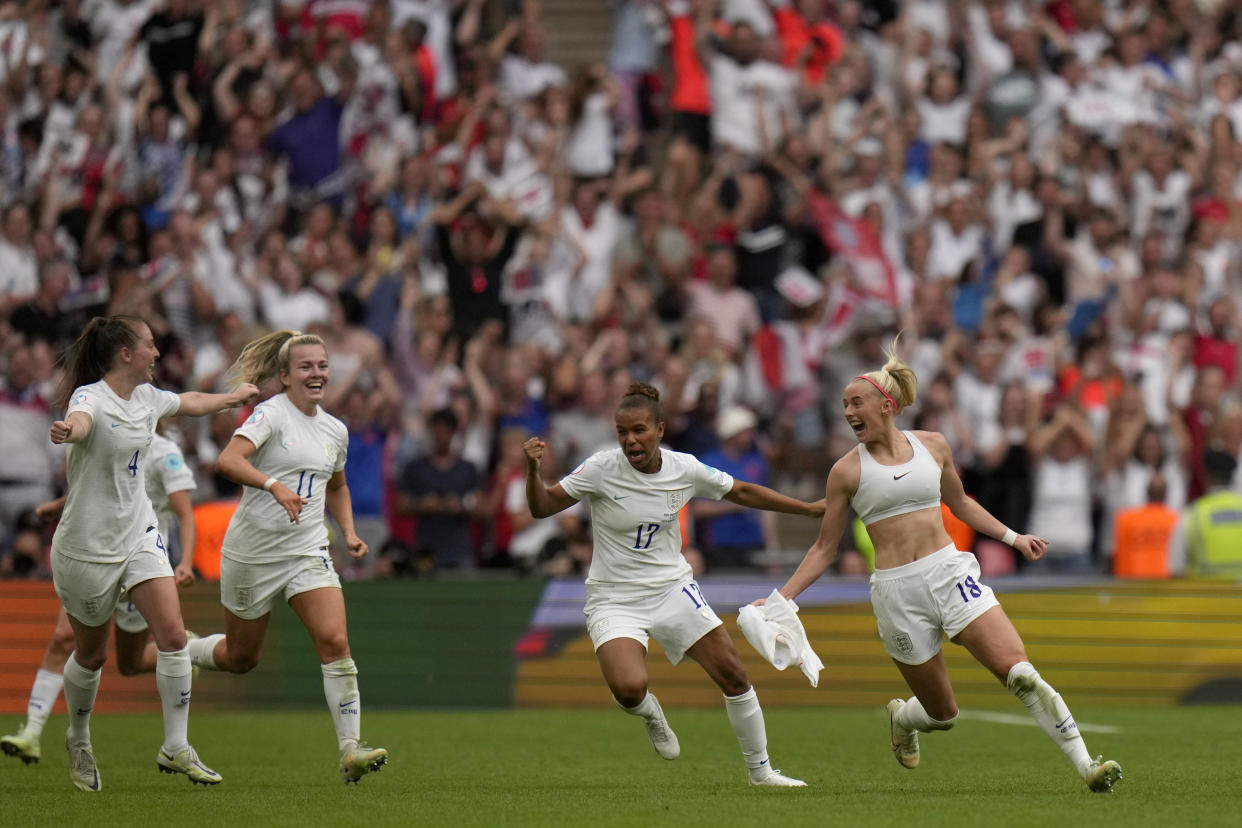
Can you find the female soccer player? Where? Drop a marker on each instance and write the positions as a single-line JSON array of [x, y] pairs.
[[639, 585], [290, 456], [168, 484], [106, 545], [923, 586]]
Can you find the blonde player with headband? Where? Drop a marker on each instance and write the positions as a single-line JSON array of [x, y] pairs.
[[290, 456], [923, 587], [640, 585], [107, 546]]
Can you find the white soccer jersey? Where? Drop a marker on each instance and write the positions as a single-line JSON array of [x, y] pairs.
[[637, 539], [107, 509], [301, 452], [166, 473]]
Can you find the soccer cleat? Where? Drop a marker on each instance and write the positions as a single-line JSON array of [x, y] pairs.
[[360, 761], [1102, 775], [770, 777], [663, 739], [82, 770], [905, 742], [21, 745], [187, 762]]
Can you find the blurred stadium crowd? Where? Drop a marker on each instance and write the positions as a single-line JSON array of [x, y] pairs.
[[741, 205]]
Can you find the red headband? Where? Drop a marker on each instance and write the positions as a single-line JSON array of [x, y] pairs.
[[881, 390]]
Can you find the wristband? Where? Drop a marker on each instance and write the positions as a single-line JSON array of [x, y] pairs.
[[1009, 538], [269, 483]]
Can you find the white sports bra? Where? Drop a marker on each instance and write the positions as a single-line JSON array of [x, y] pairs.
[[887, 491]]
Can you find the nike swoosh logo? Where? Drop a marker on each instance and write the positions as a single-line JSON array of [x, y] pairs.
[[82, 712], [114, 425], [899, 476], [1061, 723], [185, 693], [346, 704], [619, 497]]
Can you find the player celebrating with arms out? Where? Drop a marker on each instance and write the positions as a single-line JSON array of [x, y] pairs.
[[106, 545], [923, 586], [290, 456], [640, 585], [169, 482]]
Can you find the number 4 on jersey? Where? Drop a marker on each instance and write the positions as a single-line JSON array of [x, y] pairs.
[[133, 465]]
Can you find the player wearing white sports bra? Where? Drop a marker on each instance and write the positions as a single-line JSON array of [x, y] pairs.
[[923, 587]]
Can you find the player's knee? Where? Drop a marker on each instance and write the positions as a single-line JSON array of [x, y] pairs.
[[734, 683], [60, 647], [945, 716], [172, 639], [332, 647], [127, 667], [629, 693], [90, 661]]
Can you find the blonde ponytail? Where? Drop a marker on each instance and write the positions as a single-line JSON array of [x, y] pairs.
[[896, 379]]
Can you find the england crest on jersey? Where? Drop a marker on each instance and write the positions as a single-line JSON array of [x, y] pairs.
[[676, 499]]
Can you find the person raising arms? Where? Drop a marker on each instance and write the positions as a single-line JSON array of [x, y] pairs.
[[640, 586], [923, 587], [290, 456], [107, 546]]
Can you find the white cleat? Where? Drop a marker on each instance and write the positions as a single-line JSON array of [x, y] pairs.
[[905, 742], [767, 776], [663, 739], [186, 761], [82, 770], [1102, 774], [360, 761], [21, 745]]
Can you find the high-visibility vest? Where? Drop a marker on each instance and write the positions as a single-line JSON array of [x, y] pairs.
[[1217, 550], [211, 520], [1142, 536]]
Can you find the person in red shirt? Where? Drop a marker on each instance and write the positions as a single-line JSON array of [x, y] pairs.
[[807, 40], [1218, 345]]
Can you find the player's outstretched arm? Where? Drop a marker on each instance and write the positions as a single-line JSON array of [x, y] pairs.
[[756, 496], [836, 513], [198, 403], [969, 511]]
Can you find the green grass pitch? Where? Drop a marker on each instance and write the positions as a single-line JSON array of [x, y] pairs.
[[596, 768]]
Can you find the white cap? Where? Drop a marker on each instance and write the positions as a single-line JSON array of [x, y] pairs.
[[733, 421], [799, 287], [869, 146]]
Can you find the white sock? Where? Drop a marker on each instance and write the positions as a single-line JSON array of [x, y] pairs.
[[81, 685], [648, 708], [340, 687], [43, 695], [912, 716], [1050, 712], [172, 678], [203, 651], [746, 716]]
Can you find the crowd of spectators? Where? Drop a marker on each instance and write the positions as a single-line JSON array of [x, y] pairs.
[[741, 204]]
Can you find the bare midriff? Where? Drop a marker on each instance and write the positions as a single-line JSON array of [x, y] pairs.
[[903, 539]]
